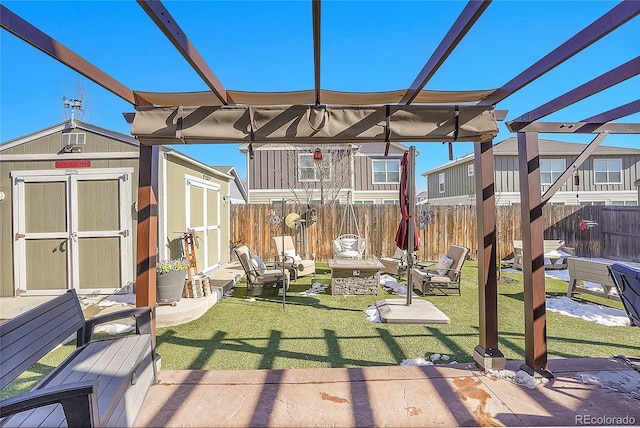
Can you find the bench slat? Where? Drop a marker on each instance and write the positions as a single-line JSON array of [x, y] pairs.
[[581, 271], [26, 339], [111, 363]]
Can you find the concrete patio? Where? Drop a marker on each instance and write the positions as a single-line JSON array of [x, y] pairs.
[[600, 391]]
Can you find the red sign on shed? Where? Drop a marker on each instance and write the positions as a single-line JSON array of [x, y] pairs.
[[73, 164]]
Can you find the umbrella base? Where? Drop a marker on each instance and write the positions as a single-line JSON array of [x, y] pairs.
[[396, 311]]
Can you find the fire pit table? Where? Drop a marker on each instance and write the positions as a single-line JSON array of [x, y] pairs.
[[355, 276]]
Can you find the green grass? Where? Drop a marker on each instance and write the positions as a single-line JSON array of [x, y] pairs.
[[332, 331]]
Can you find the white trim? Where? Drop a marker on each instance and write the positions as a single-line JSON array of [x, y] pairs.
[[602, 183], [30, 137], [70, 179], [386, 171], [200, 164], [162, 196], [206, 228], [68, 156]]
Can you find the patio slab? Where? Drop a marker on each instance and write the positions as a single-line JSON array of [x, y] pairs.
[[398, 396]]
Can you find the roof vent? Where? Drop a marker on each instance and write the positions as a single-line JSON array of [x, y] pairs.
[[73, 142]]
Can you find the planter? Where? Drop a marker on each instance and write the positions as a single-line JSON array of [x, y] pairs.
[[169, 287]]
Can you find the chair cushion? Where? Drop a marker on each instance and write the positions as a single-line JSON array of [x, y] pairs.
[[337, 246], [258, 265], [443, 265], [399, 254], [292, 253]]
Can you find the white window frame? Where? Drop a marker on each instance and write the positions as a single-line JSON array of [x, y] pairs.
[[607, 171], [441, 187], [326, 164], [364, 202], [552, 171], [470, 170], [390, 202], [386, 171]]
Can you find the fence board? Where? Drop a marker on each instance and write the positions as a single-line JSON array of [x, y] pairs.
[[616, 236]]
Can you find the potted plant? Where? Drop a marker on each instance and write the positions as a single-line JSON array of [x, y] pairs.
[[170, 276]]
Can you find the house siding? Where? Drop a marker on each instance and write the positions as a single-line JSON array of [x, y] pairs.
[[507, 181]]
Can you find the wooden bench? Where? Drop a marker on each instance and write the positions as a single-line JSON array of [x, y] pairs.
[[102, 383], [553, 250], [581, 270]]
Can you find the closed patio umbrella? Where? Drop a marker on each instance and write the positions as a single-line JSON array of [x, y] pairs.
[[407, 226]]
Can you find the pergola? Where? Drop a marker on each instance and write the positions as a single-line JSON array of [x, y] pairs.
[[318, 116]]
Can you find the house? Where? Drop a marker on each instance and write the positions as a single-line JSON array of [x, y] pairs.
[[69, 210], [237, 189], [607, 177], [340, 173]]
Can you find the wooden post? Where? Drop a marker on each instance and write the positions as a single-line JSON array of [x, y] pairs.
[[486, 353], [147, 245], [535, 319]]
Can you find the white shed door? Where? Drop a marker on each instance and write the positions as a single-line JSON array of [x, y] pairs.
[[72, 229], [203, 216]]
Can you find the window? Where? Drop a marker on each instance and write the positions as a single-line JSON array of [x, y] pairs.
[[441, 182], [386, 171], [364, 202], [390, 201], [470, 171], [607, 171], [309, 171], [551, 170]]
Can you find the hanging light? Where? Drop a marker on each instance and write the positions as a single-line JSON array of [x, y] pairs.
[[576, 177], [317, 156]]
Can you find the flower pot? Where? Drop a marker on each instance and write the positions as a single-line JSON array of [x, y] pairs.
[[169, 287]]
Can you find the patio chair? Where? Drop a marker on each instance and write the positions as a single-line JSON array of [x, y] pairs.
[[396, 265], [627, 280], [261, 281], [442, 276], [296, 265]]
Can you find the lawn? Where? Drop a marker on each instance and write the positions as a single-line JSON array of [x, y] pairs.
[[333, 331]]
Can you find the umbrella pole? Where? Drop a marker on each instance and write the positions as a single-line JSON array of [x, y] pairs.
[[411, 201]]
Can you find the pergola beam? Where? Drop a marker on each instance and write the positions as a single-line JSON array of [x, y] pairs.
[[574, 127], [316, 48], [604, 25], [600, 83], [163, 19], [615, 113], [41, 41], [456, 33], [583, 156]]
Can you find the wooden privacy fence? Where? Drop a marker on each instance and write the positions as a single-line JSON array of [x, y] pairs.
[[616, 235]]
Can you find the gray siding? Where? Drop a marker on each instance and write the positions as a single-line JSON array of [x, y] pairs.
[[457, 183]]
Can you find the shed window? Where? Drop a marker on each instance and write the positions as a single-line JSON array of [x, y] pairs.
[[551, 170], [607, 171], [441, 182], [386, 171]]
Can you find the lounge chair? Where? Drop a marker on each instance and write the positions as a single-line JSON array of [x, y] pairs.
[[396, 265], [627, 280], [296, 264], [262, 280], [442, 276]]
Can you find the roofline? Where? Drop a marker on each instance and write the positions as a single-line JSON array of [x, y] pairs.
[[465, 158], [182, 156], [67, 125]]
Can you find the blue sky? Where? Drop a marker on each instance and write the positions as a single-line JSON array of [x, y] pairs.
[[267, 46]]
